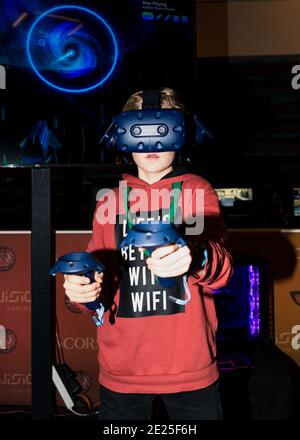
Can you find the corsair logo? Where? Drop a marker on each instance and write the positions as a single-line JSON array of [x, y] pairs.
[[2, 77], [7, 259], [8, 340]]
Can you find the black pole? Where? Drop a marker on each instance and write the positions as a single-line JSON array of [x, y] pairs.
[[43, 300]]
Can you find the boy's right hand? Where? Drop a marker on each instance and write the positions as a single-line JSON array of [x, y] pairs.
[[78, 288]]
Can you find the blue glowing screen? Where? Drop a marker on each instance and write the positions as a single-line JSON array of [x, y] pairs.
[[80, 46], [71, 65], [72, 48]]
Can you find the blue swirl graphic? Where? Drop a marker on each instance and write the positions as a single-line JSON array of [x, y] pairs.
[[76, 55], [72, 49]]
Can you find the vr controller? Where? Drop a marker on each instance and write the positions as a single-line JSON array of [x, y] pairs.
[[151, 236], [82, 263]]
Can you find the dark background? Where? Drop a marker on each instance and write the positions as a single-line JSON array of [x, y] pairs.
[[246, 102]]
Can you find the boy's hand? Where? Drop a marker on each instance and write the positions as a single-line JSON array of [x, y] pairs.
[[170, 261], [79, 289]]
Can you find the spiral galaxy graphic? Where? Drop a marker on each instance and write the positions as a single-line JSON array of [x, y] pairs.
[[72, 49]]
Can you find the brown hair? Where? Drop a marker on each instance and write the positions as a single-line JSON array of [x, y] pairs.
[[169, 99]]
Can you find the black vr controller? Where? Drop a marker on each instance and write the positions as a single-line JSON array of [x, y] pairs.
[[151, 236], [82, 263]]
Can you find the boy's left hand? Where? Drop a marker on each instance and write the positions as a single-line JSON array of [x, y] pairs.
[[170, 261]]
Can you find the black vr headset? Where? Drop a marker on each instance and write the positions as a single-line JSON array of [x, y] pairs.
[[151, 128]]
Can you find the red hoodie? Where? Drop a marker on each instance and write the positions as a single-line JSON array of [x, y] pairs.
[[149, 344]]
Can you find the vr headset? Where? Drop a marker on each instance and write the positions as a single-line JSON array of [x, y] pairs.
[[147, 130], [152, 128]]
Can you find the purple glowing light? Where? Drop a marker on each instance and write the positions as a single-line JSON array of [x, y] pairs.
[[254, 313]]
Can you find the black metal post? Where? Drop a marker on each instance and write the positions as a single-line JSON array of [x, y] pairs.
[[43, 301]]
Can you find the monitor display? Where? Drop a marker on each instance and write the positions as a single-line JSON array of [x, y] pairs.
[[239, 305], [229, 196], [68, 67], [296, 200]]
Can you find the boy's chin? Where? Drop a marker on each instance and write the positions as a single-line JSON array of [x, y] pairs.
[[155, 168]]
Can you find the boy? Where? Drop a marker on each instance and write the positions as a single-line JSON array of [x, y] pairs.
[[150, 345]]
